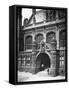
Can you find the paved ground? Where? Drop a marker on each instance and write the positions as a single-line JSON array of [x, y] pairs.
[[43, 75]]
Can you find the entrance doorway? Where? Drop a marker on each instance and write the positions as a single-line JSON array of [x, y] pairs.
[[42, 62]]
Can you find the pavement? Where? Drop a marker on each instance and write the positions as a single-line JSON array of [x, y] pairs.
[[40, 76]]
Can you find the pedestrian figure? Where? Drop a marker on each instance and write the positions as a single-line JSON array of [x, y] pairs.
[[48, 71]]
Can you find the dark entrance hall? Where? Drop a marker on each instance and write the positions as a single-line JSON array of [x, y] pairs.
[[42, 62]]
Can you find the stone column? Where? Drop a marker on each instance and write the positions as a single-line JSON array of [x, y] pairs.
[[57, 17], [55, 59], [33, 35], [44, 36], [57, 38], [33, 63]]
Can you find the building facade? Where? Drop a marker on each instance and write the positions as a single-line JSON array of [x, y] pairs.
[[41, 42]]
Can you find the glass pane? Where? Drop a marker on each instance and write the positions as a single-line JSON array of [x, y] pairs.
[[39, 38], [62, 39], [28, 42], [50, 37]]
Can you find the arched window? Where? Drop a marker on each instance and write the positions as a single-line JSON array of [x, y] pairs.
[[62, 38], [50, 36], [39, 38], [28, 42]]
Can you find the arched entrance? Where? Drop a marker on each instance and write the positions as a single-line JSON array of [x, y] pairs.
[[42, 62]]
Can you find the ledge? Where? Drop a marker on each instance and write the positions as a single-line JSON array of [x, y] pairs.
[[44, 24]]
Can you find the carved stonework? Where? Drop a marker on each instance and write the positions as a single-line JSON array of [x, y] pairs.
[[62, 26], [50, 28], [42, 46]]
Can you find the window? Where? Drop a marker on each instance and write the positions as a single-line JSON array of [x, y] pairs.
[[62, 58], [19, 61], [28, 42], [28, 60], [62, 38], [61, 14], [50, 15], [38, 38], [50, 37]]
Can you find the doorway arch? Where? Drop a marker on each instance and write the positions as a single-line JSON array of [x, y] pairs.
[[42, 62]]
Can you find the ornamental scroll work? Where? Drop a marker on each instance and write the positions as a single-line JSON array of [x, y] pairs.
[[45, 46], [62, 26], [48, 46]]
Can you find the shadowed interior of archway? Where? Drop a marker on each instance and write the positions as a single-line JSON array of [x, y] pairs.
[[42, 62]]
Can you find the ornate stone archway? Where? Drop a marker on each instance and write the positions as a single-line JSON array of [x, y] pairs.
[[42, 62]]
